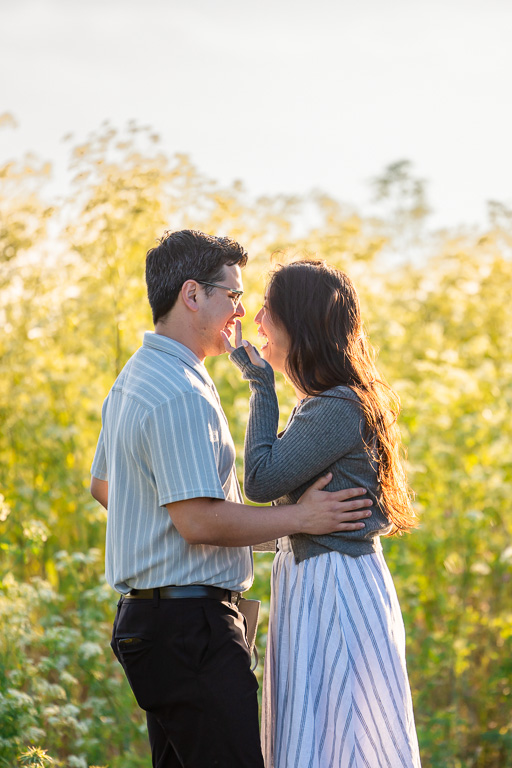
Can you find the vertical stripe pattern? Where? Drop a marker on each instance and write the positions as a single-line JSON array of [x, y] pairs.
[[336, 693], [165, 438]]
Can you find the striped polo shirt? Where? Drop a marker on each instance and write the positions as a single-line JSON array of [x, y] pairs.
[[165, 438]]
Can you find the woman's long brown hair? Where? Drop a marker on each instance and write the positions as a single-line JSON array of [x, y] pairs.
[[318, 307]]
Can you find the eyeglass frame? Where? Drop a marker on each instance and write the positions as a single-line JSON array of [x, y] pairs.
[[238, 293]]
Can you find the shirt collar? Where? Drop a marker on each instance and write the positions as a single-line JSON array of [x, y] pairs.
[[175, 349]]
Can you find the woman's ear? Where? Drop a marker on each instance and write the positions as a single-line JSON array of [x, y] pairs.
[[189, 292]]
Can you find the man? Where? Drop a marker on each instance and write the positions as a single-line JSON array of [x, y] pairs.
[[178, 534]]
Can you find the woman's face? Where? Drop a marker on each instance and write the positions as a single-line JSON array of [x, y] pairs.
[[275, 338]]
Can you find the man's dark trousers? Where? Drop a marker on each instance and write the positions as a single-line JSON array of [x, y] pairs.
[[189, 667]]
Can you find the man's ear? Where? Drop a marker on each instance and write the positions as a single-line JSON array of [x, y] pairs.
[[189, 293]]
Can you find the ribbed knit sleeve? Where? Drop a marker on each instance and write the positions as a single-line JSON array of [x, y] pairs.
[[323, 429], [324, 434]]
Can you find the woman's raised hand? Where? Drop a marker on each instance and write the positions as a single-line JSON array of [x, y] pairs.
[[254, 355]]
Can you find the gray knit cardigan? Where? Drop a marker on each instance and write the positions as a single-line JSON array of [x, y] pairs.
[[324, 434]]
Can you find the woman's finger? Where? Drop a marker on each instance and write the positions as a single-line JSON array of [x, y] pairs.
[[238, 333], [254, 355]]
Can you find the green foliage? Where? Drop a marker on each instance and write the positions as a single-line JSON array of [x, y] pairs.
[[73, 309], [60, 683]]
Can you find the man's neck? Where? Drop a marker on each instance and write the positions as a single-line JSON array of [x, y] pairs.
[[182, 335]]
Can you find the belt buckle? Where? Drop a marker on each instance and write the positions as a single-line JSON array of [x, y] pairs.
[[234, 598]]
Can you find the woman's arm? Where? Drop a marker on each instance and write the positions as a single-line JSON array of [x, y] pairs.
[[322, 430]]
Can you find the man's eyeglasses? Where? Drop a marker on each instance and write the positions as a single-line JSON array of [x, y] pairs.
[[236, 294]]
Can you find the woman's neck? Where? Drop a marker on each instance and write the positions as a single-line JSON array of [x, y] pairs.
[[301, 396]]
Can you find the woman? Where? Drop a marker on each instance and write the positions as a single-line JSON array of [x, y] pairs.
[[335, 691]]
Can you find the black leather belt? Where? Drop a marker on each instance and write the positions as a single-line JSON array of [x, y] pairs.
[[191, 590]]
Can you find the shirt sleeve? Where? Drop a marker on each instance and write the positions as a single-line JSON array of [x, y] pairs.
[[99, 464], [323, 429], [184, 442]]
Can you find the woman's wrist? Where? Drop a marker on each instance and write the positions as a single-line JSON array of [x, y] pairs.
[[249, 370]]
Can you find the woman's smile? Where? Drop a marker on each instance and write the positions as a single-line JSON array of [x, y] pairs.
[[274, 340], [263, 337]]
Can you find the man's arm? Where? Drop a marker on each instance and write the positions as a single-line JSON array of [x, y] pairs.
[[228, 524], [99, 490]]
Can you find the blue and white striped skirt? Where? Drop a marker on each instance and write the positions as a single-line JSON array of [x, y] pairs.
[[335, 691]]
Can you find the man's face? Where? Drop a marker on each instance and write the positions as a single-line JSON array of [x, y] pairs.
[[221, 309]]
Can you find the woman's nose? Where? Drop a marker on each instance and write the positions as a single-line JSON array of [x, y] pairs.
[[258, 317]]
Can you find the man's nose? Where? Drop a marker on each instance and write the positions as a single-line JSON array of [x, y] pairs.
[[240, 310]]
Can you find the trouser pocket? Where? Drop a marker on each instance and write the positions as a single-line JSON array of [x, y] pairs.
[[136, 656], [133, 640]]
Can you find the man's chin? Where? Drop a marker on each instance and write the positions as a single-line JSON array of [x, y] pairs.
[[220, 349]]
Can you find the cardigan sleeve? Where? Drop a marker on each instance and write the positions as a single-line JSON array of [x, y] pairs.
[[322, 430]]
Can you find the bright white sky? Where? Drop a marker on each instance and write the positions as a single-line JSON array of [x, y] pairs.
[[285, 95]]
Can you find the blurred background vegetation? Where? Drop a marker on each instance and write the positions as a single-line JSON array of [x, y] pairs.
[[73, 309]]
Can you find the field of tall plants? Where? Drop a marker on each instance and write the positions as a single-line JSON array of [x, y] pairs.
[[73, 309]]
